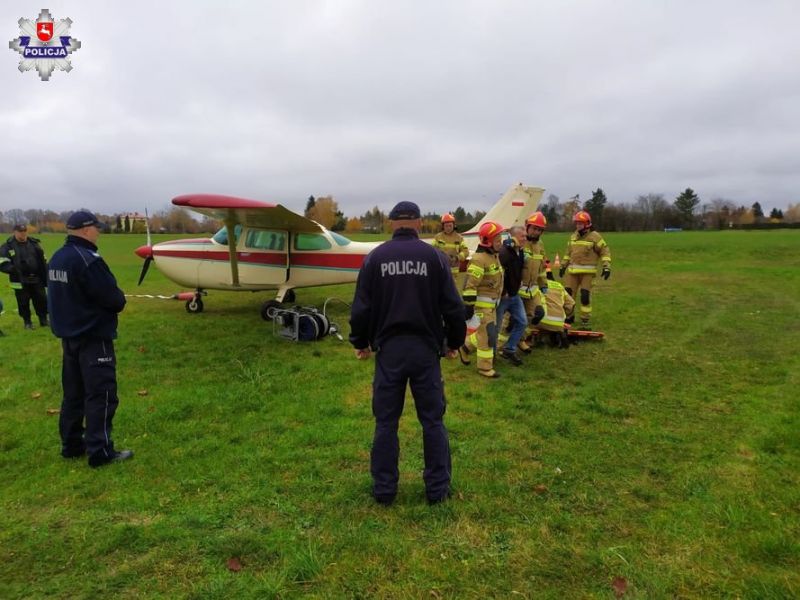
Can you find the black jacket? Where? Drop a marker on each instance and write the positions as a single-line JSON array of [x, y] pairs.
[[512, 258], [82, 295], [25, 261], [405, 288]]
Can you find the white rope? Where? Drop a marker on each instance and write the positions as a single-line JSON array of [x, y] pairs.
[[159, 296]]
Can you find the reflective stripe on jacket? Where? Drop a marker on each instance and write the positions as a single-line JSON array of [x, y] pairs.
[[533, 273], [584, 251], [484, 279]]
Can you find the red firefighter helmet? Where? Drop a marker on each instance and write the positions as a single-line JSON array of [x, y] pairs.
[[537, 219], [582, 217], [487, 232], [448, 218]]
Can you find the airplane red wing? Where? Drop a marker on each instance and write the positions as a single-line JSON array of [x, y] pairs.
[[250, 213]]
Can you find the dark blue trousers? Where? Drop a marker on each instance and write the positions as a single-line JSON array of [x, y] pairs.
[[89, 380], [31, 293], [410, 360]]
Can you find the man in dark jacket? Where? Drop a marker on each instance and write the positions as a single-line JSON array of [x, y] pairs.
[[84, 301], [407, 310], [22, 258], [512, 257]]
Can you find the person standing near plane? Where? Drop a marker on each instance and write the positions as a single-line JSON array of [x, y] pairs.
[[405, 306], [535, 271], [22, 258], [512, 258], [481, 294], [449, 241], [585, 248], [84, 301]]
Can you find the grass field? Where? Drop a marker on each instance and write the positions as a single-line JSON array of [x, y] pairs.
[[662, 462]]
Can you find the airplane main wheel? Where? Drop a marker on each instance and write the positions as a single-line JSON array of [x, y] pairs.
[[195, 305], [268, 309], [289, 296]]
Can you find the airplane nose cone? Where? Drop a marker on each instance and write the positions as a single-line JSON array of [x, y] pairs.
[[144, 252]]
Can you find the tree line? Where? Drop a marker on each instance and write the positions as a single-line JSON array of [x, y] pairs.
[[647, 212], [654, 212]]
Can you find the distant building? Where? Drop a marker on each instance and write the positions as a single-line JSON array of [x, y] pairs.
[[132, 221]]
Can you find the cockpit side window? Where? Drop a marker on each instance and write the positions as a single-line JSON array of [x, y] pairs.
[[311, 241], [266, 239], [221, 237]]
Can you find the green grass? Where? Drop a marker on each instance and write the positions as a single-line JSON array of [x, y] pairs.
[[667, 455]]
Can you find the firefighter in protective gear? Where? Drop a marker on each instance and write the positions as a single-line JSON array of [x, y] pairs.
[[534, 274], [449, 241], [555, 307], [482, 290], [585, 249]]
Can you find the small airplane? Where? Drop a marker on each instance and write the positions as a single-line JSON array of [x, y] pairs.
[[274, 248]]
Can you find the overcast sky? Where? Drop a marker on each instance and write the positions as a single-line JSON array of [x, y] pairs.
[[444, 103]]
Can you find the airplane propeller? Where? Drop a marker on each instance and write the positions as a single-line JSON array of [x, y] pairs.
[[146, 252]]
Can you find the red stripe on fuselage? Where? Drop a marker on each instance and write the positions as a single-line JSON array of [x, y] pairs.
[[331, 261], [244, 257], [316, 259]]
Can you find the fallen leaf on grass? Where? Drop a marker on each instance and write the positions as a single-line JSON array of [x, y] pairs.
[[53, 411], [540, 489], [460, 495], [36, 395], [620, 586], [141, 349], [142, 392], [234, 565]]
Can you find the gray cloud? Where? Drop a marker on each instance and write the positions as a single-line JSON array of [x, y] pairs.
[[446, 103]]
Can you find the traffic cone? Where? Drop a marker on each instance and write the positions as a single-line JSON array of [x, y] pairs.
[[557, 262]]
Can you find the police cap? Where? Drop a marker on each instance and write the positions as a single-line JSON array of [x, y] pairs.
[[81, 219], [404, 211]]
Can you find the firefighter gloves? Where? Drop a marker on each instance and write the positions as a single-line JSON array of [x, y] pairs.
[[606, 273], [469, 311], [561, 272]]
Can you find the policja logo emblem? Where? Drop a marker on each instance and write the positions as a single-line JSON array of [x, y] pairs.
[[38, 46]]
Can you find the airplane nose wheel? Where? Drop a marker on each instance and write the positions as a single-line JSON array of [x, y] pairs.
[[195, 305], [269, 308]]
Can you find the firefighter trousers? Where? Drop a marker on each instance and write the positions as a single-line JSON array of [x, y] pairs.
[[484, 339], [579, 286]]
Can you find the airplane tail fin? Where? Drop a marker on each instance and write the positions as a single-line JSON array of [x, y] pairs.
[[512, 209]]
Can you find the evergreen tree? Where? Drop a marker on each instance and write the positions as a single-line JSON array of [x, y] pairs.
[[776, 214], [685, 203], [118, 228], [594, 206], [758, 212], [310, 205], [127, 224]]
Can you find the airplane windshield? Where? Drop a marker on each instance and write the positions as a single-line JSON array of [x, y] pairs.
[[339, 239], [221, 237]]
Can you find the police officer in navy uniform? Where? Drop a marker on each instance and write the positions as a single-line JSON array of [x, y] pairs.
[[407, 310], [84, 301], [22, 258]]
